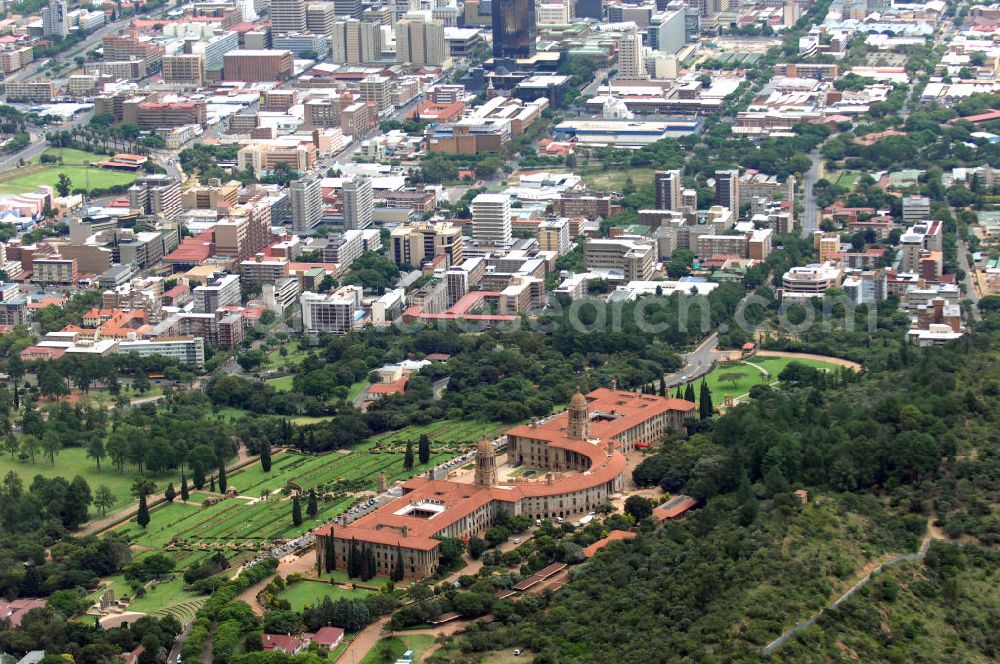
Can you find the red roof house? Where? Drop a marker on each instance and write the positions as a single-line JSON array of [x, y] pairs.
[[282, 643], [328, 637]]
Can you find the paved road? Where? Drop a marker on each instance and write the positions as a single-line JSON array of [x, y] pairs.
[[92, 40], [810, 211], [698, 362], [970, 286]]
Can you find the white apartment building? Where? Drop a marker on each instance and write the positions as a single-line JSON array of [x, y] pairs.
[[333, 313], [306, 199], [814, 280], [218, 291], [280, 294], [186, 350], [359, 202], [491, 219]]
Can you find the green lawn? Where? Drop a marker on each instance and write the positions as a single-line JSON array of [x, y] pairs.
[[105, 397], [311, 593], [294, 353], [73, 461], [524, 470], [162, 525], [283, 384], [396, 646], [743, 376], [356, 389], [161, 596], [75, 167], [846, 179]]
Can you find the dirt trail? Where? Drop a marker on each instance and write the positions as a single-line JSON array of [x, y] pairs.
[[840, 362]]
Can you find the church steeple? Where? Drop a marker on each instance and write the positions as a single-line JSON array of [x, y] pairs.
[[578, 425]]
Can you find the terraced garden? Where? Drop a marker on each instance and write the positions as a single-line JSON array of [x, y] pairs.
[[246, 524], [449, 432]]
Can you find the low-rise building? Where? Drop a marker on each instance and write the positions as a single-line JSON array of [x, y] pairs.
[[633, 258]]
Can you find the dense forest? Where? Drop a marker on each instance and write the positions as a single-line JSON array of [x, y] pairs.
[[883, 454]]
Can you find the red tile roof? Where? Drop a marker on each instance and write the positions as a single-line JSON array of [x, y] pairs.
[[281, 642], [674, 508], [613, 536], [15, 609], [387, 524], [328, 636], [195, 249]]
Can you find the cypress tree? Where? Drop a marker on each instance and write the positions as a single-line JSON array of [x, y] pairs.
[[408, 457], [331, 556], [185, 494], [689, 392], [424, 448], [705, 409], [170, 494], [223, 482], [265, 457], [363, 566], [352, 560], [142, 517], [296, 511], [302, 439], [211, 485], [311, 507], [397, 572], [198, 477]]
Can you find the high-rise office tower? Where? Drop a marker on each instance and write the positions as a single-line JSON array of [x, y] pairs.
[[727, 189], [359, 202], [420, 42], [320, 17], [401, 8], [288, 16], [55, 23], [491, 218], [589, 9], [631, 60], [514, 28], [667, 186], [355, 42], [348, 8], [307, 204]]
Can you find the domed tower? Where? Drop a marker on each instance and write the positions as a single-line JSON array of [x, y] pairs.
[[578, 425], [486, 463]]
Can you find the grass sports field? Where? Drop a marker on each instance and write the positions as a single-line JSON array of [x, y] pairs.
[[75, 166], [73, 461], [736, 378]]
